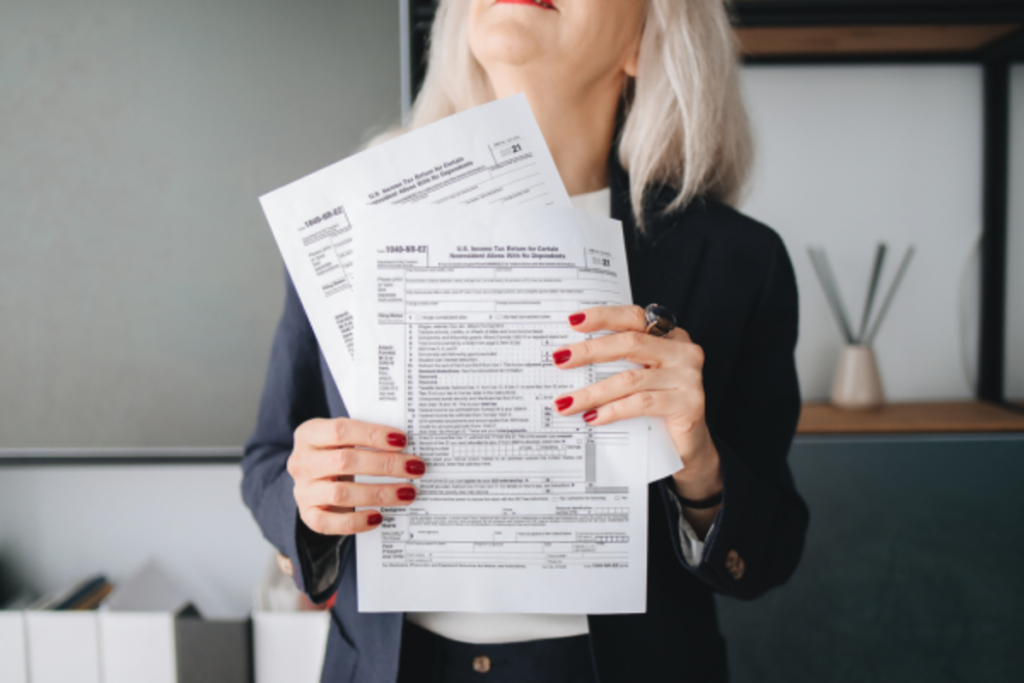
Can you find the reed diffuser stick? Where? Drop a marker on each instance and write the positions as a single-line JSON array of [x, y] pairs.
[[889, 296], [828, 283], [876, 274]]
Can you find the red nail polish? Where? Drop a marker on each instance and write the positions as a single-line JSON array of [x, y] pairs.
[[374, 518], [407, 493], [415, 467], [397, 440], [577, 319], [562, 356], [590, 416], [563, 403]]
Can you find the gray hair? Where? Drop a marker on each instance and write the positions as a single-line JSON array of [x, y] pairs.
[[685, 126]]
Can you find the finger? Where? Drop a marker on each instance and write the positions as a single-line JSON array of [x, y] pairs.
[[613, 318], [618, 386], [637, 347], [334, 523], [618, 319], [347, 494], [679, 334], [640, 404], [337, 462], [342, 431]]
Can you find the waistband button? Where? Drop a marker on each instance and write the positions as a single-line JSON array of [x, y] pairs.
[[481, 664]]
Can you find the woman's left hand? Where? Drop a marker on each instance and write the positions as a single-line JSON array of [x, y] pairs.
[[669, 385]]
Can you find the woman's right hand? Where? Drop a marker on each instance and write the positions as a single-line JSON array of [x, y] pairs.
[[326, 456]]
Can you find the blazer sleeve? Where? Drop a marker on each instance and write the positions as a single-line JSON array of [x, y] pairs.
[[762, 520], [292, 394]]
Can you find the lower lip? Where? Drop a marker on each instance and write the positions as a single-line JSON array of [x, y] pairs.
[[531, 3]]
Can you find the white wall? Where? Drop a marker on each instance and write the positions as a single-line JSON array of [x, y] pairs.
[[852, 155], [1015, 250], [60, 524]]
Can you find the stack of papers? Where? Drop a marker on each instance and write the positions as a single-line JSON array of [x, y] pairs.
[[438, 271]]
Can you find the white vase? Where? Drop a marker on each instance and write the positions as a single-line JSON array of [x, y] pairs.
[[857, 383]]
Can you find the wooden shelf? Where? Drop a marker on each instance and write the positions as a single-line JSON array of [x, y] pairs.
[[911, 418], [869, 40], [774, 29]]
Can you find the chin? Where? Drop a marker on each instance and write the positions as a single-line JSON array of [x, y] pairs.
[[504, 44], [501, 37]]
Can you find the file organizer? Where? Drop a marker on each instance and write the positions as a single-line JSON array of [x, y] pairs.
[[63, 647], [288, 644], [137, 647], [137, 638], [13, 665], [289, 647], [151, 633], [213, 651]]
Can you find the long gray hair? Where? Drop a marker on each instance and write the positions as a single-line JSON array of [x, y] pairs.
[[685, 127]]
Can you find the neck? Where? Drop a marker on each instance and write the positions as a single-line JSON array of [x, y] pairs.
[[577, 126]]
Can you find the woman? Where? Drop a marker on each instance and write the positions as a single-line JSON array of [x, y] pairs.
[[638, 101]]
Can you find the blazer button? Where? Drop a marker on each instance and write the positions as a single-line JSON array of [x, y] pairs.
[[735, 564], [285, 565], [481, 664]]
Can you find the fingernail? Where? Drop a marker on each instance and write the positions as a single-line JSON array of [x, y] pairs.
[[415, 467], [563, 403], [397, 440], [577, 318], [374, 518], [590, 416], [562, 356], [407, 493]]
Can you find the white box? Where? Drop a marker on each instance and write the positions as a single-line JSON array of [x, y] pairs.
[[289, 647], [137, 635], [288, 643], [137, 647], [13, 665], [63, 647]]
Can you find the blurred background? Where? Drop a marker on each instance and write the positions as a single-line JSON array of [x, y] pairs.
[[140, 287]]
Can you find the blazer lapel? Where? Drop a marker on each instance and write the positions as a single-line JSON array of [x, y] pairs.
[[664, 260]]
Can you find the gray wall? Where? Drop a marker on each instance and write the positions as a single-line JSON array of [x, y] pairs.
[[139, 283]]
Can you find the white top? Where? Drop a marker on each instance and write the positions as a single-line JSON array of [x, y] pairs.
[[470, 627], [598, 203]]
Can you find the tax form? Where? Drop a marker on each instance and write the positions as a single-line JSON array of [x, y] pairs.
[[521, 509], [493, 154]]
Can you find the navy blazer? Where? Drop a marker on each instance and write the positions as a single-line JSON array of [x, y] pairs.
[[731, 284]]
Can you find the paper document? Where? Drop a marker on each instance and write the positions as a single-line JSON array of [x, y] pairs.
[[492, 154], [521, 509]]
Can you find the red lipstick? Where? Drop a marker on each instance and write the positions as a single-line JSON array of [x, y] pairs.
[[535, 3]]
